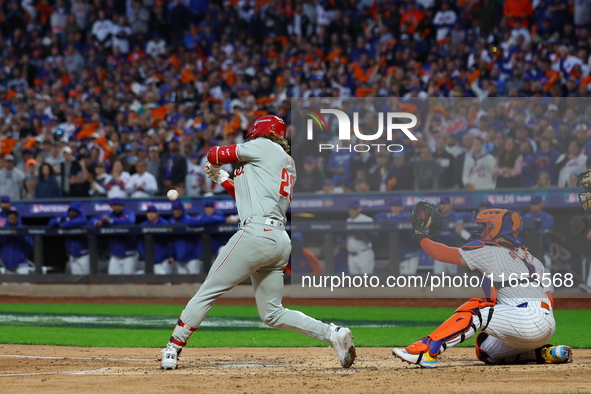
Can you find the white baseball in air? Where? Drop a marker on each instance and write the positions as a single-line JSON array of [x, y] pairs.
[[172, 195]]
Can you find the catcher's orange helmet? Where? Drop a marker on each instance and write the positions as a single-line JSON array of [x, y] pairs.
[[493, 223]]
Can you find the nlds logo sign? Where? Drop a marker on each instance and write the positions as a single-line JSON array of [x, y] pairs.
[[345, 128]]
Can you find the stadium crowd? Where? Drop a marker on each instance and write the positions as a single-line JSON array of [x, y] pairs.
[[123, 98]]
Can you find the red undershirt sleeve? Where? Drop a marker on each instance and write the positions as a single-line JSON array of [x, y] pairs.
[[229, 186]]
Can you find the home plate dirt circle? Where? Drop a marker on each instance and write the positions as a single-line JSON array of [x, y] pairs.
[[60, 369]]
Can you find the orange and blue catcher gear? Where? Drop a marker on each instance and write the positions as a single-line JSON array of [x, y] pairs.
[[494, 223]]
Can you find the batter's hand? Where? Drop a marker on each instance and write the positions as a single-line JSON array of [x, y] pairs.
[[211, 170], [220, 177]]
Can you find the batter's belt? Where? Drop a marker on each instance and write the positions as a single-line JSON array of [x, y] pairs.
[[265, 221]]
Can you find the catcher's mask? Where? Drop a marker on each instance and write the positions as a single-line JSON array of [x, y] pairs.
[[584, 181], [494, 223], [266, 125]]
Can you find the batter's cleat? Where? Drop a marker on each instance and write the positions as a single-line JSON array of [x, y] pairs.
[[169, 358], [423, 359], [557, 354], [342, 341]]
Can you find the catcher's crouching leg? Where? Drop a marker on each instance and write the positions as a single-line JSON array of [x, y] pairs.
[[547, 354], [459, 327]]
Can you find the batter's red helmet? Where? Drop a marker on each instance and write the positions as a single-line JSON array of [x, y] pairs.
[[267, 124]]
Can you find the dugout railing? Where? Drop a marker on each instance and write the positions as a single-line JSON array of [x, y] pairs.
[[323, 232]]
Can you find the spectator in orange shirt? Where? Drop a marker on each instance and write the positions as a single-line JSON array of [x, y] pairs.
[[411, 17], [518, 9]]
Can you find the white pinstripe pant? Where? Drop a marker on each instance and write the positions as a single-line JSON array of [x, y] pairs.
[[512, 330]]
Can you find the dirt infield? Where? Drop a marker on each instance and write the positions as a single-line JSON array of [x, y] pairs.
[[51, 369]]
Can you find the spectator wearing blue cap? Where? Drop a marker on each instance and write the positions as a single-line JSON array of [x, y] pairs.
[[545, 160], [526, 161], [173, 168], [76, 246], [98, 186], [5, 204], [15, 250], [538, 214], [361, 257], [426, 171], [341, 257], [153, 162], [409, 253], [124, 251], [402, 173], [212, 216], [187, 247], [129, 159], [339, 165], [142, 184], [194, 181], [449, 236], [330, 187], [311, 179], [163, 245], [545, 222], [11, 180]]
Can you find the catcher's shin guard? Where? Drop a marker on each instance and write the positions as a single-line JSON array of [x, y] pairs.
[[481, 354], [180, 335], [459, 327]]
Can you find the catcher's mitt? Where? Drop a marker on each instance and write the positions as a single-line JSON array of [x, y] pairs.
[[420, 218]]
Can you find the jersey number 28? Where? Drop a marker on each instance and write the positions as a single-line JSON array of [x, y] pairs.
[[286, 187]]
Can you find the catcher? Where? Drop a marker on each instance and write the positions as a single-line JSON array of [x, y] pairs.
[[515, 322]]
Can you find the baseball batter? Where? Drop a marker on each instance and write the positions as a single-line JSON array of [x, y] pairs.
[[262, 186], [515, 321]]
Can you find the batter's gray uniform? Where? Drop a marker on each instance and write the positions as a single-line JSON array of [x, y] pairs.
[[260, 249]]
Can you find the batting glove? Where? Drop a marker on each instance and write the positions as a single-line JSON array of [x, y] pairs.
[[211, 170], [221, 177]]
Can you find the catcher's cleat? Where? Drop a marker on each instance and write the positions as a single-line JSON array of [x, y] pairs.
[[557, 354], [423, 359], [169, 359], [342, 341]]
